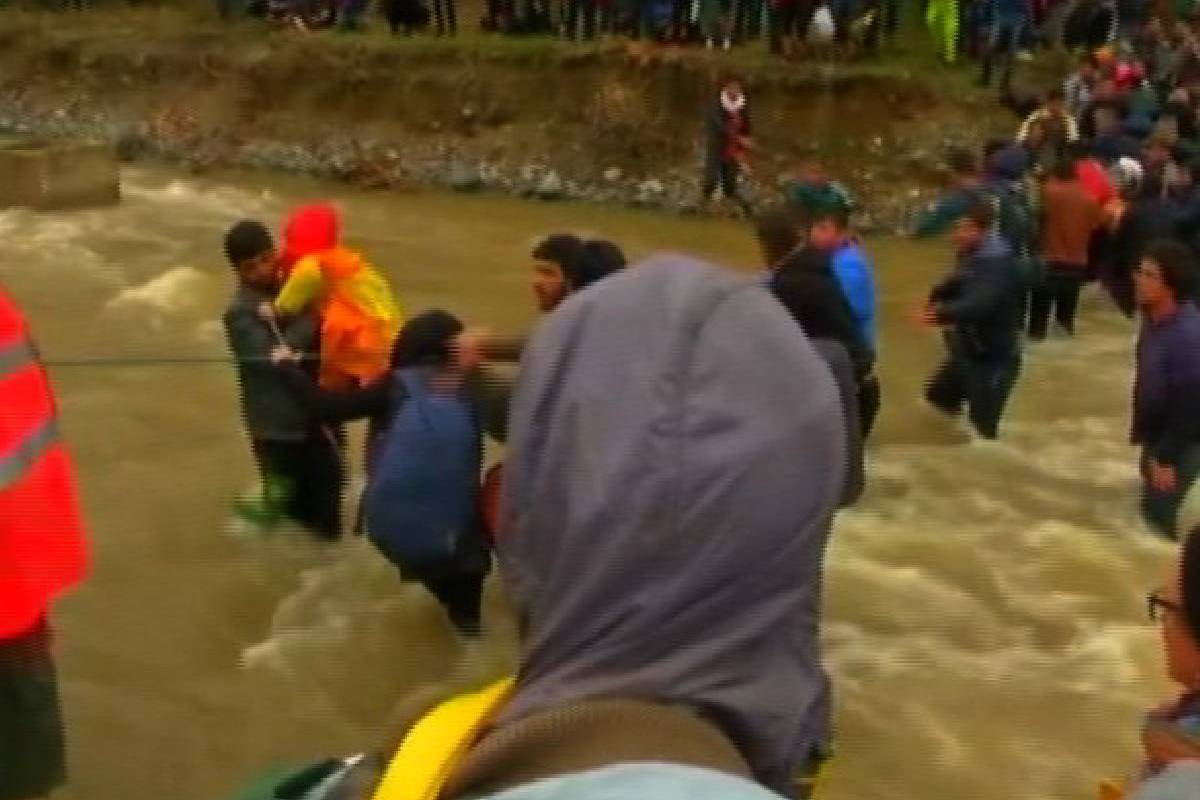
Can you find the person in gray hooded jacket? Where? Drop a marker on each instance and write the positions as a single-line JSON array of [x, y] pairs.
[[664, 552]]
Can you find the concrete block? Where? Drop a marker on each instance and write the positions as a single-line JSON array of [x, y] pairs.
[[52, 176]]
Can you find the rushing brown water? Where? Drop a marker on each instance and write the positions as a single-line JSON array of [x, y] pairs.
[[984, 623]]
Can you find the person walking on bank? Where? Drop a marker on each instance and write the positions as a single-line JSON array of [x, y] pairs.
[[299, 465], [42, 555], [729, 144], [1167, 382], [1070, 217], [980, 303]]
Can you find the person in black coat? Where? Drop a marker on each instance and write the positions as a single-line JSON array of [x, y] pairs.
[[728, 132]]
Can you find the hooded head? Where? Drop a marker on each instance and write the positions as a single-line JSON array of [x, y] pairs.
[[1009, 163], [308, 230], [668, 547]]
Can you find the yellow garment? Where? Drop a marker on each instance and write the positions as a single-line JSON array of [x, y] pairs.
[[941, 18], [436, 744], [359, 316]]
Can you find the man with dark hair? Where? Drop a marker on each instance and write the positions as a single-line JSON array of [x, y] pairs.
[[980, 305], [967, 177], [299, 464], [1057, 125], [1167, 384]]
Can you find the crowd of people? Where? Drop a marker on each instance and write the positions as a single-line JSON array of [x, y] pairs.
[[996, 32], [664, 552]]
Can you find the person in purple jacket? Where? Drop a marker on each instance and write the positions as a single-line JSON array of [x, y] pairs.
[[1165, 420]]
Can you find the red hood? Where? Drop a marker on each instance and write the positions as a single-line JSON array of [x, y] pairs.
[[308, 230]]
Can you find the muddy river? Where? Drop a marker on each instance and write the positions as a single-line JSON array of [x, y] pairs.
[[985, 626]]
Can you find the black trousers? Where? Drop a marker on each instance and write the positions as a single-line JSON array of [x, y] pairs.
[[724, 173], [314, 469], [577, 12], [983, 384], [1058, 291], [32, 747], [444, 17]]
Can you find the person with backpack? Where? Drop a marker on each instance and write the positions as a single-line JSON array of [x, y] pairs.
[[421, 506], [668, 607]]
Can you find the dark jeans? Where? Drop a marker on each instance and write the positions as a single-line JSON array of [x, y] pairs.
[[575, 10], [984, 384], [724, 173], [313, 467], [1058, 290], [444, 17], [1000, 51], [1161, 509], [869, 397]]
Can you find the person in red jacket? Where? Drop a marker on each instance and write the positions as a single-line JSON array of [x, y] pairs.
[[42, 554]]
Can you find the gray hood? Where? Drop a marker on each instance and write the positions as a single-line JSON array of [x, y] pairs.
[[676, 455]]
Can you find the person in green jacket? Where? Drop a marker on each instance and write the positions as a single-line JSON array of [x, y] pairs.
[[941, 18]]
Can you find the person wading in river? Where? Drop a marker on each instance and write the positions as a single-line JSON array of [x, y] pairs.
[[42, 554], [1167, 383], [980, 306], [299, 465], [666, 575]]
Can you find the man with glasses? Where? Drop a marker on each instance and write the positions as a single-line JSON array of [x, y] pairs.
[[1166, 423]]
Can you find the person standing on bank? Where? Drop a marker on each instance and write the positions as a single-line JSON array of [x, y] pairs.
[[1167, 382], [42, 555], [980, 305], [729, 144]]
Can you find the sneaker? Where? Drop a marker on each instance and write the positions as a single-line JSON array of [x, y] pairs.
[[1025, 56]]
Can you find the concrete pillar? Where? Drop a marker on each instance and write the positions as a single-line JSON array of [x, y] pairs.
[[51, 176]]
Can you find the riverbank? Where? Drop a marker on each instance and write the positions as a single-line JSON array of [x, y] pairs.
[[613, 122]]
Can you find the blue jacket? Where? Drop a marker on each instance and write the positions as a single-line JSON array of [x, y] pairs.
[[852, 268]]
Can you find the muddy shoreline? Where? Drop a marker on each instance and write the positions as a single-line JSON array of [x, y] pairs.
[[612, 124]]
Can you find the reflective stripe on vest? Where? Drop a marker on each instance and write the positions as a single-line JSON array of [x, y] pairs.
[[15, 463], [16, 357], [25, 452]]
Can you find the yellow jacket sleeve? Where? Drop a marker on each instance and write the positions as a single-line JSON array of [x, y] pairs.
[[302, 287]]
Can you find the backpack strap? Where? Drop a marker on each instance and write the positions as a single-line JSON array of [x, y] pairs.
[[439, 741]]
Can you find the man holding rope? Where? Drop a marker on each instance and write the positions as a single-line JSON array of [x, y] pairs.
[[301, 468]]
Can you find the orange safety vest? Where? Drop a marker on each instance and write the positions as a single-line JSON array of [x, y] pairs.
[[42, 550]]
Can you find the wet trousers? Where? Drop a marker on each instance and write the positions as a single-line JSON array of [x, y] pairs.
[[983, 384], [1161, 509]]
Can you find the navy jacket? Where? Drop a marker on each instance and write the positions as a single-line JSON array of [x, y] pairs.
[[1165, 421], [982, 298]]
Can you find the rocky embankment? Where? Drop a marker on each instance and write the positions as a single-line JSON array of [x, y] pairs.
[[614, 125]]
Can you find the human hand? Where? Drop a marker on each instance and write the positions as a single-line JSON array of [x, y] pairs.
[[926, 316], [266, 310], [282, 354], [1162, 476]]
